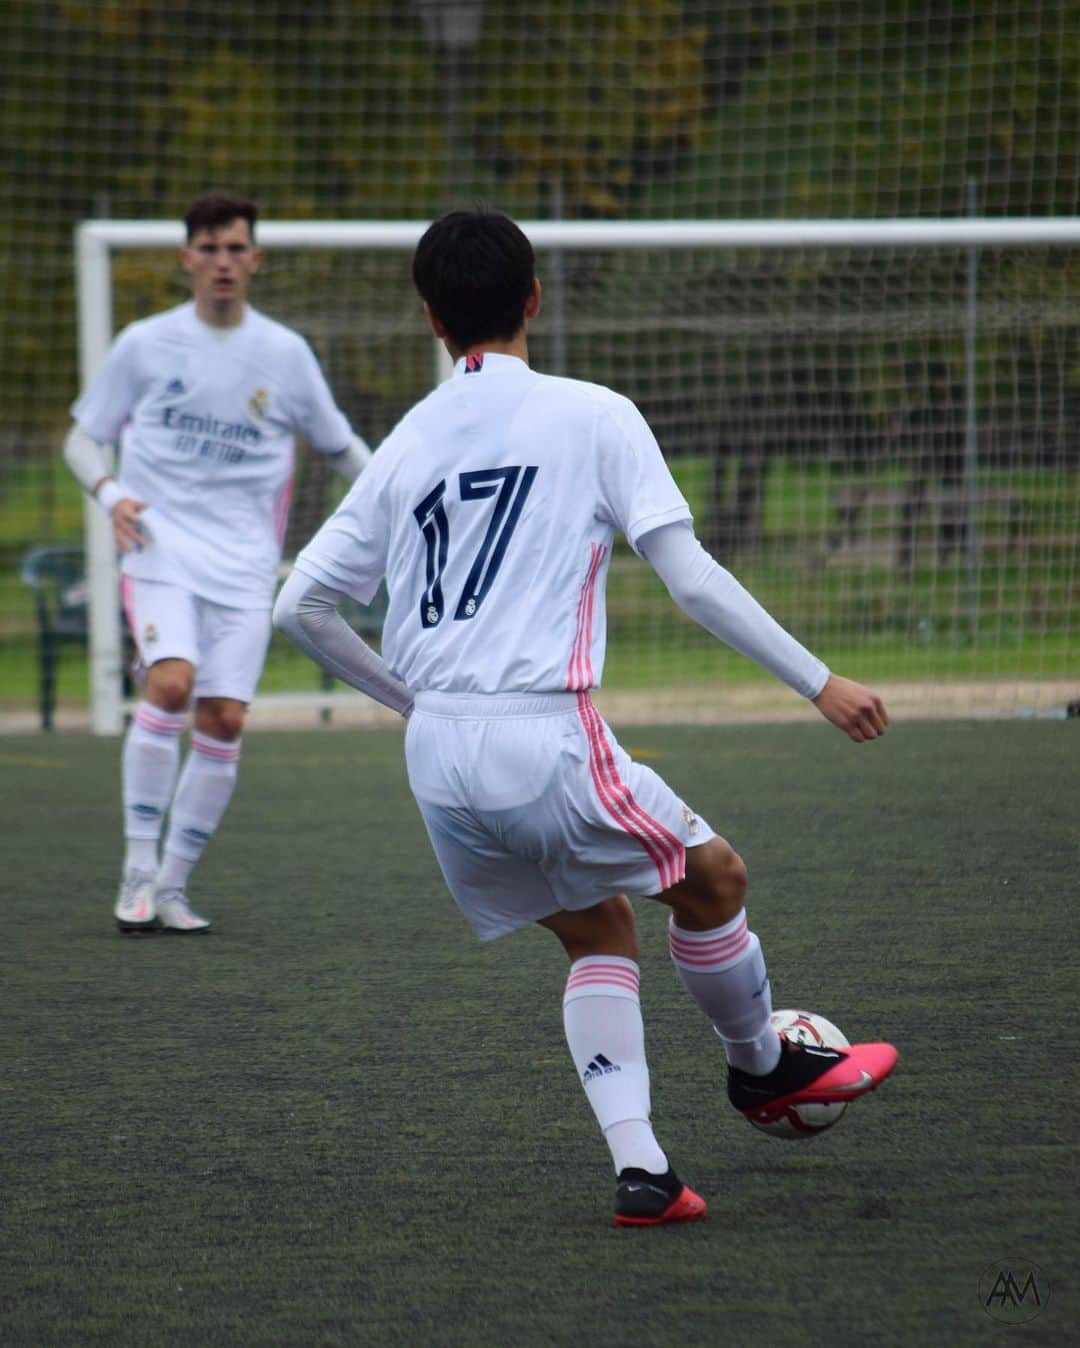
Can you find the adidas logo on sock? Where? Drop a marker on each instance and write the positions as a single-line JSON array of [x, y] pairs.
[[599, 1066]]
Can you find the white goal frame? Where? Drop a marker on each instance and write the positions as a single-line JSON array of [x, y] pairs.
[[97, 240]]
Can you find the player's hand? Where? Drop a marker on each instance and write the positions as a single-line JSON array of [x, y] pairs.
[[125, 523], [855, 710]]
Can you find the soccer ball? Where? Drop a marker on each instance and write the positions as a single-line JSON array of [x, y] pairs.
[[805, 1121]]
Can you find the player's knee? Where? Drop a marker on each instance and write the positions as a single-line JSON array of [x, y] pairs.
[[730, 875], [222, 720], [169, 687], [618, 915], [607, 928], [715, 885]]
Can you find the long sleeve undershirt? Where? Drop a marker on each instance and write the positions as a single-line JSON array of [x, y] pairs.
[[307, 613], [712, 596]]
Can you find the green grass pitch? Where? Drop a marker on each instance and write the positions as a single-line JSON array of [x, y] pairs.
[[339, 1119]]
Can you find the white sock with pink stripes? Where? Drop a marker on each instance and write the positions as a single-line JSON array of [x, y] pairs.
[[602, 1018], [724, 971], [205, 789], [150, 761]]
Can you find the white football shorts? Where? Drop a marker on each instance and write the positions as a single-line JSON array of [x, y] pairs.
[[227, 646], [532, 807]]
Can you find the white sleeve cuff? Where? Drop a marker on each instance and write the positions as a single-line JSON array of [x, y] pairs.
[[86, 457], [108, 494]]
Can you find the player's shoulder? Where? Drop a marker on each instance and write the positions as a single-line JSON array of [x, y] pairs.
[[275, 347], [405, 436], [583, 393], [147, 344], [164, 324], [272, 332], [597, 402]]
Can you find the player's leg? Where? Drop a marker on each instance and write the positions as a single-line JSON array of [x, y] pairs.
[[606, 1037], [509, 804], [703, 880], [202, 796], [233, 648], [719, 960], [721, 965], [499, 891], [604, 1029], [163, 625]]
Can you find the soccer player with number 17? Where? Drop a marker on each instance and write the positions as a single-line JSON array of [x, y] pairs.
[[491, 510]]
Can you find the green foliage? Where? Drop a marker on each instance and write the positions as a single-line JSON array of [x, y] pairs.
[[340, 109], [596, 100], [888, 111]]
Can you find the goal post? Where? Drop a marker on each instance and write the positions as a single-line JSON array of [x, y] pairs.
[[703, 284]]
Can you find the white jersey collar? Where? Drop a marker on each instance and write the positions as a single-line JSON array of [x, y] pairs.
[[213, 330]]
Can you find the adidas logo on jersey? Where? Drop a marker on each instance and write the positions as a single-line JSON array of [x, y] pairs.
[[599, 1066], [175, 386]]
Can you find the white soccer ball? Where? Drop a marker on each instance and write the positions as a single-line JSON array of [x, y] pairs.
[[799, 1122]]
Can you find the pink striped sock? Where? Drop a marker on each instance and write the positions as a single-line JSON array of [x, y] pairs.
[[205, 789], [602, 1018], [723, 970], [150, 761]]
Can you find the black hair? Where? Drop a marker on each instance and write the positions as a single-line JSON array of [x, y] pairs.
[[216, 209], [475, 271]]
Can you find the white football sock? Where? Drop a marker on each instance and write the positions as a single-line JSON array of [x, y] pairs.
[[174, 871], [602, 1018], [724, 971], [205, 789], [150, 761]]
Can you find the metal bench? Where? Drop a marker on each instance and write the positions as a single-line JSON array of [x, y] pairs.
[[56, 572]]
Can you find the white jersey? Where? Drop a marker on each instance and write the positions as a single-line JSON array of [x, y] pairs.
[[491, 509], [204, 418]]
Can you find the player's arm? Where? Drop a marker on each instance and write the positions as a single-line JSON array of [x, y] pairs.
[[320, 420], [85, 456], [350, 462], [711, 595], [307, 612]]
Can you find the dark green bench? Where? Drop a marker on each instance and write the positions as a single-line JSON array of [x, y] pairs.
[[56, 572]]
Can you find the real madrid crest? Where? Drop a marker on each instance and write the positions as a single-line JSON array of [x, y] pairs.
[[259, 402]]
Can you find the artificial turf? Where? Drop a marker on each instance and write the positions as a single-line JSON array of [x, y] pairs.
[[340, 1119]]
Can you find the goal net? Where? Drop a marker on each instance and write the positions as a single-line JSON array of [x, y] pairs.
[[874, 424]]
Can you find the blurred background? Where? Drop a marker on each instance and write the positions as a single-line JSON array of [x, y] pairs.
[[881, 442]]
